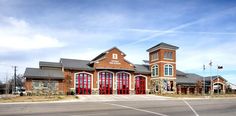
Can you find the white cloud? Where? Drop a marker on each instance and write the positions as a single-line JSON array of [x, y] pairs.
[[18, 35]]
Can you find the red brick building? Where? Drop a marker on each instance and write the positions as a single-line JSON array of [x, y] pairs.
[[111, 73]]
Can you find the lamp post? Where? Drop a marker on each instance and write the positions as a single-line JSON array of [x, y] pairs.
[[204, 85], [210, 64], [218, 68]]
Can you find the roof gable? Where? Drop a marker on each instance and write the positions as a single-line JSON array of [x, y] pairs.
[[100, 56], [112, 59]]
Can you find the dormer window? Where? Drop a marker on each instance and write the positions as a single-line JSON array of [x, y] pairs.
[[154, 56], [168, 55], [114, 56]]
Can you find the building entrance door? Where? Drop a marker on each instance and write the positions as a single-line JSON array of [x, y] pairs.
[[140, 85], [105, 83], [84, 83], [122, 83]]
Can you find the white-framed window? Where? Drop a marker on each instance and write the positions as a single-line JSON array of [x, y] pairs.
[[114, 56], [168, 71], [155, 71], [168, 55], [154, 56]]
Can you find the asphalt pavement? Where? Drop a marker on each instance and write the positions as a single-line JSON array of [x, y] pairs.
[[162, 107]]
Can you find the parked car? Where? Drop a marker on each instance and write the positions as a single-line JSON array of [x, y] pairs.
[[20, 91]]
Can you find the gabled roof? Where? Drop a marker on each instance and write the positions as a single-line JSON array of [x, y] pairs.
[[143, 69], [232, 86], [180, 73], [104, 53], [50, 64], [37, 73], [213, 78], [194, 76], [162, 45], [187, 78], [76, 64]]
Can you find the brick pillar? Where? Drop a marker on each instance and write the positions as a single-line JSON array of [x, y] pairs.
[[223, 89], [179, 86], [174, 86], [187, 90], [195, 90]]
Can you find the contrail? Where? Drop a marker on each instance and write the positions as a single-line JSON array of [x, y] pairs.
[[158, 33]]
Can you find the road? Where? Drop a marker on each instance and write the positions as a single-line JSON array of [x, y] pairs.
[[204, 107]]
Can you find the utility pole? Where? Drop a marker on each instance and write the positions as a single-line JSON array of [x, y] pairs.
[[6, 90], [204, 85], [15, 78]]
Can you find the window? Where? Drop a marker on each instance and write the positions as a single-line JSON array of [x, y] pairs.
[[45, 84], [168, 70], [168, 85], [155, 70], [114, 56], [35, 83], [154, 56], [168, 55], [156, 83]]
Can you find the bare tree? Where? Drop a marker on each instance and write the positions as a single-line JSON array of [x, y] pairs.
[[19, 83]]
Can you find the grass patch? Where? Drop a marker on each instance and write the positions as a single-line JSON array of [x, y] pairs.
[[198, 95], [35, 98]]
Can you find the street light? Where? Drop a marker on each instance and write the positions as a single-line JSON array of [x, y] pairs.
[[204, 85], [210, 64], [218, 68]]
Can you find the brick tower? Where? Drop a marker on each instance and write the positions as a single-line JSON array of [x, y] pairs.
[[162, 61]]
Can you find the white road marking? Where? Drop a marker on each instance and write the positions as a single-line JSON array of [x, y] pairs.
[[137, 109], [92, 114], [196, 114]]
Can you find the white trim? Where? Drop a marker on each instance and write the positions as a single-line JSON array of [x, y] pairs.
[[167, 77], [91, 82], [99, 79], [218, 83], [145, 82], [168, 70], [129, 78], [168, 62], [161, 49], [168, 59]]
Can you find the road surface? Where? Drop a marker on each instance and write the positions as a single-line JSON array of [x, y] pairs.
[[203, 107]]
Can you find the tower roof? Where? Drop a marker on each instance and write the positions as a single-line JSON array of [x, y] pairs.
[[162, 45]]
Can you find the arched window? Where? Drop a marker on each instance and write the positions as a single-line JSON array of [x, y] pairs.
[[155, 70], [168, 70]]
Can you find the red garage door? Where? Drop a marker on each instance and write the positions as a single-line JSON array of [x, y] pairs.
[[122, 83], [140, 85], [84, 83], [105, 83]]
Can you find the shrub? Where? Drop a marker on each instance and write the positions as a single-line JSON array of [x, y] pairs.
[[60, 97], [77, 97]]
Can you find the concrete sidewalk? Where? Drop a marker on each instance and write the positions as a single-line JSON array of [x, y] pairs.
[[99, 98]]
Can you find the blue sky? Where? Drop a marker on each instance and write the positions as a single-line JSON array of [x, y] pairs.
[[47, 30]]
